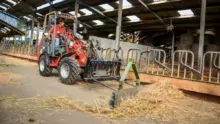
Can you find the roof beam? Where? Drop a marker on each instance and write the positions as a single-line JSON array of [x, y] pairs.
[[29, 5], [144, 26], [146, 6], [132, 11], [97, 11]]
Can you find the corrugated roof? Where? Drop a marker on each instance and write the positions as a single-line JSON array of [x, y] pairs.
[[166, 10]]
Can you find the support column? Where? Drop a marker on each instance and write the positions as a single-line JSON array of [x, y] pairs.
[[50, 7], [14, 39], [76, 20], [32, 34], [118, 28], [38, 29], [173, 40], [202, 31], [26, 32]]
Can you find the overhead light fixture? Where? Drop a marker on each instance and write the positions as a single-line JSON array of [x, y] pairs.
[[12, 2], [57, 1], [43, 6], [98, 22], [126, 4], [158, 1], [133, 18], [80, 25], [186, 13], [25, 17], [3, 7], [39, 14], [107, 7], [86, 11], [73, 13], [110, 35]]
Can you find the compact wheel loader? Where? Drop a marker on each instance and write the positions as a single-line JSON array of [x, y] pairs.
[[73, 59]]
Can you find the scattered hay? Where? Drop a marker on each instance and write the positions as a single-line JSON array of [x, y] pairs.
[[10, 82], [154, 102], [159, 101], [34, 103], [10, 78]]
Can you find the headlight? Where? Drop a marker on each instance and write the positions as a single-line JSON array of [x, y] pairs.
[[42, 49], [71, 44]]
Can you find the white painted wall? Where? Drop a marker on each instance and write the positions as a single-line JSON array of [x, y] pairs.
[[108, 43]]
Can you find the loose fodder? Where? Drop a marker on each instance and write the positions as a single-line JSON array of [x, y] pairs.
[[34, 103], [10, 78], [158, 101], [150, 103], [153, 102]]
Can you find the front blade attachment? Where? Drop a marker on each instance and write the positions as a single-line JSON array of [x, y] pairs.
[[121, 95], [102, 70]]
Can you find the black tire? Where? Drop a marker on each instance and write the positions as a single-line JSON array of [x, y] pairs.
[[74, 71], [47, 70]]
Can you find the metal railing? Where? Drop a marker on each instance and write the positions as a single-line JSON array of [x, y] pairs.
[[152, 61], [211, 67], [18, 48], [155, 62], [184, 64], [134, 54]]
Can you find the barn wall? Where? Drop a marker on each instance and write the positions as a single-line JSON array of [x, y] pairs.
[[108, 43]]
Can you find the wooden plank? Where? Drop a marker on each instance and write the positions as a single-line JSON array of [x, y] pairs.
[[195, 86], [33, 58]]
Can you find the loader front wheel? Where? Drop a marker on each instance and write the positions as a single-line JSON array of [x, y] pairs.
[[69, 71], [44, 68]]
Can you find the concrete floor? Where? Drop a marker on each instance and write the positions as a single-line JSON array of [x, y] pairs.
[[35, 85], [31, 84]]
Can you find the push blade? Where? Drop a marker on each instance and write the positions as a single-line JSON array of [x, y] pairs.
[[122, 94]]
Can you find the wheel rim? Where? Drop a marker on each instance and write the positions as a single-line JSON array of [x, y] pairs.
[[64, 70], [42, 65]]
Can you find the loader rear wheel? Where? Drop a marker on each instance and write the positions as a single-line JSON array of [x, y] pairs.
[[69, 71], [44, 68]]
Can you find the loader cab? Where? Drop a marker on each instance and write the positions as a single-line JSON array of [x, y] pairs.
[[49, 45]]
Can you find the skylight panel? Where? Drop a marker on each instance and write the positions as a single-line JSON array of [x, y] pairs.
[[4, 30], [73, 13], [25, 17], [107, 7], [98, 22], [6, 5], [126, 4], [43, 6], [186, 13], [7, 29], [133, 18], [12, 2], [57, 1], [86, 11], [3, 7]]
